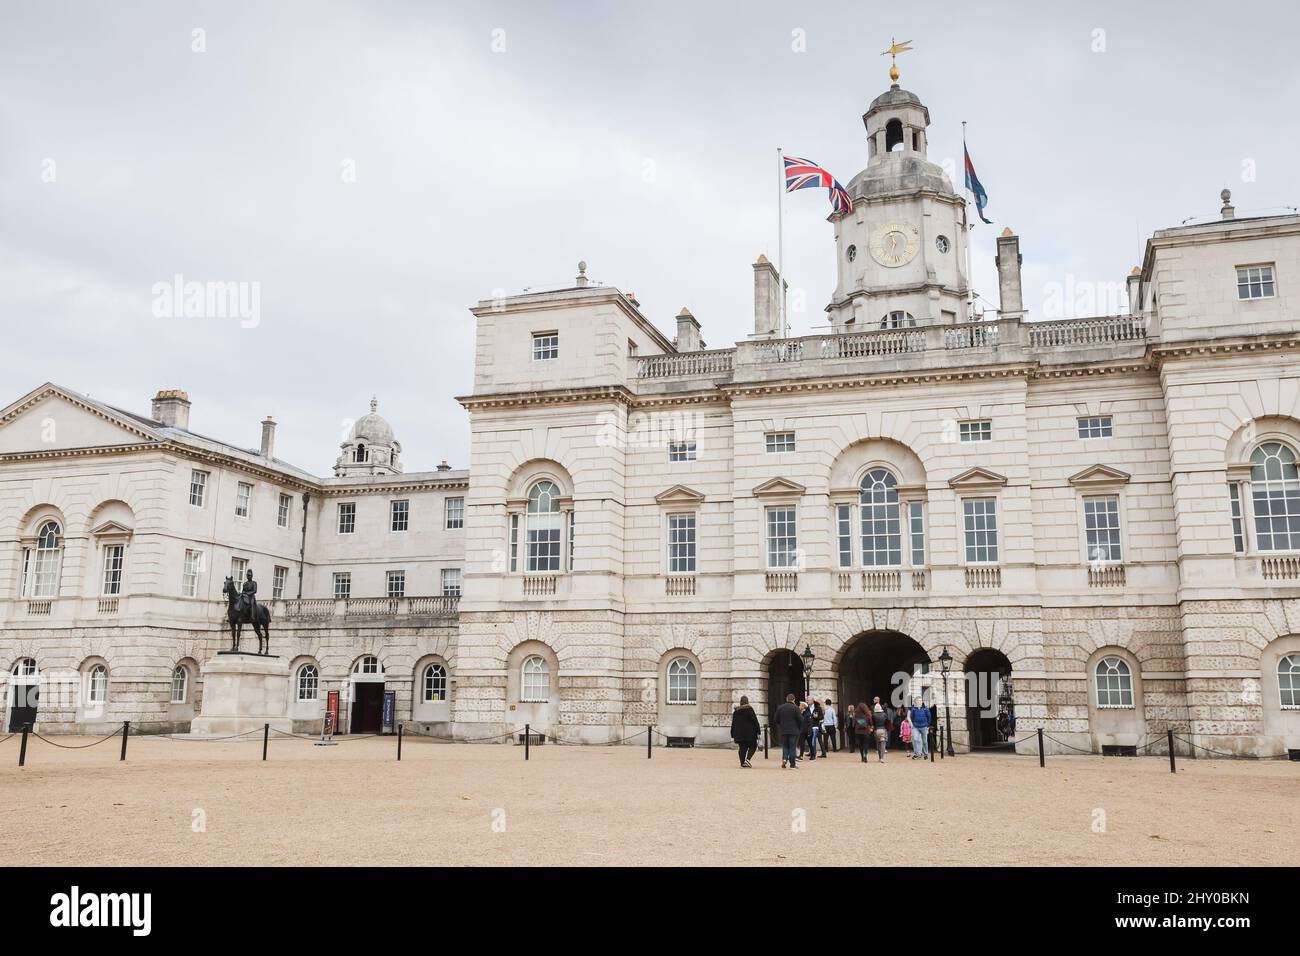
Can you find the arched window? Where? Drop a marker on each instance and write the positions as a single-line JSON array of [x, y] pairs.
[[1288, 681], [1275, 497], [893, 135], [41, 563], [882, 540], [435, 683], [360, 454], [180, 684], [682, 681], [898, 319], [24, 667], [367, 665], [97, 685], [1114, 683], [543, 528], [535, 687], [308, 682]]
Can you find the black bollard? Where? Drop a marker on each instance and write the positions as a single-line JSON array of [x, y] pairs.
[[1042, 762], [266, 736], [765, 743], [1172, 767], [527, 740], [649, 739], [941, 753], [22, 748], [399, 741], [126, 732]]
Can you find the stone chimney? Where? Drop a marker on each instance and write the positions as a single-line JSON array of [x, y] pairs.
[[688, 332], [1135, 291], [1011, 301], [268, 437], [443, 466], [1229, 211], [171, 406], [767, 300]]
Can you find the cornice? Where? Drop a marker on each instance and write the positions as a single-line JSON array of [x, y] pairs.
[[557, 396], [1016, 370], [1284, 342]]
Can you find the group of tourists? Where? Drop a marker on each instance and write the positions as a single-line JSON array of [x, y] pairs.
[[805, 725]]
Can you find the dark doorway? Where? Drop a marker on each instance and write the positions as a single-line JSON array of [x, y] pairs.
[[784, 676], [23, 701], [871, 665], [990, 709], [367, 707]]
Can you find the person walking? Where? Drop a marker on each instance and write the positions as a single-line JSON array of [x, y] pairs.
[[745, 731], [862, 729], [905, 729], [880, 721], [828, 727], [920, 717], [789, 724], [815, 716]]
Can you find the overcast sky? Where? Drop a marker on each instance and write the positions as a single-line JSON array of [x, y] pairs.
[[376, 168]]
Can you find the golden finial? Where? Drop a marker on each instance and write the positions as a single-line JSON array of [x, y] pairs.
[[895, 48]]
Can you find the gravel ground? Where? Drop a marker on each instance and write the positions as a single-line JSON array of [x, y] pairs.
[[215, 803]]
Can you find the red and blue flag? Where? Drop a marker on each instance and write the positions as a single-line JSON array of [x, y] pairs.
[[805, 174], [975, 187]]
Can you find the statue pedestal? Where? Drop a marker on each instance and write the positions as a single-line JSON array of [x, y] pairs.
[[242, 692]]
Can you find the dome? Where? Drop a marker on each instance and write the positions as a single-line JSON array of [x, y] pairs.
[[893, 98], [899, 174], [373, 428]]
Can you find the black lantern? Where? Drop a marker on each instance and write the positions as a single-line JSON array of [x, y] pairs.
[[808, 658], [945, 665]]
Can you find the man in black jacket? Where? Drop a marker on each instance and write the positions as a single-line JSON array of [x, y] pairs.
[[745, 730], [789, 723]]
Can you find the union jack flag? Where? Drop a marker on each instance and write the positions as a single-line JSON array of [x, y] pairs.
[[804, 174]]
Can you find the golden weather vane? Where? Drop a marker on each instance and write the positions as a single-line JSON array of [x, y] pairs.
[[895, 48]]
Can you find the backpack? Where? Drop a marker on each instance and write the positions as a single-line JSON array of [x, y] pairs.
[[861, 723]]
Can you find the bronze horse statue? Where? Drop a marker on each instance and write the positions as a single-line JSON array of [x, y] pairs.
[[239, 614]]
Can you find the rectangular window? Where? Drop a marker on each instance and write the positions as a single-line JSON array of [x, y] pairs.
[[347, 517], [455, 513], [1275, 500], [1101, 525], [514, 543], [681, 451], [238, 566], [190, 572], [198, 487], [396, 584], [399, 515], [546, 346], [342, 585], [242, 495], [1238, 532], [681, 544], [882, 533], [570, 557], [981, 527], [779, 442], [782, 538], [975, 431], [282, 513], [451, 582], [278, 579], [1096, 426], [916, 517], [114, 555], [844, 534], [1255, 282]]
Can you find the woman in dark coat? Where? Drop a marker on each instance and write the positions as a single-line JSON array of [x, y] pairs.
[[745, 730]]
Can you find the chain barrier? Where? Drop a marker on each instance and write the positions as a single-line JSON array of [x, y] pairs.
[[1227, 755], [186, 739], [95, 743], [3, 739]]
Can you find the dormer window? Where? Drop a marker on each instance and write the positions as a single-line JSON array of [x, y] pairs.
[[1256, 282]]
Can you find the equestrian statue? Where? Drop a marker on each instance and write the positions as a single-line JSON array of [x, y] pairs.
[[242, 608]]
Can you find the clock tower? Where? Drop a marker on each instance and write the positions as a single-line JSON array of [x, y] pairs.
[[902, 249]]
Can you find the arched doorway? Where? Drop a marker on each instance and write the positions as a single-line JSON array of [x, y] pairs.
[[24, 694], [885, 664], [990, 706], [784, 676]]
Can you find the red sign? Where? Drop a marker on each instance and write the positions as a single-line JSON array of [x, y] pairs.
[[331, 712]]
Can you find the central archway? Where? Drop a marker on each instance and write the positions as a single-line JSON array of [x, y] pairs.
[[885, 664], [784, 676], [990, 709]]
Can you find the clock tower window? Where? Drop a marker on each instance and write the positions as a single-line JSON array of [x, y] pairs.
[[898, 319], [893, 135]]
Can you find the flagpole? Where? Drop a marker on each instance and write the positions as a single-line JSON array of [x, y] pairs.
[[968, 227], [780, 240]]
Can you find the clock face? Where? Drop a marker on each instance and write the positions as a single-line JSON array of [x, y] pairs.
[[895, 243]]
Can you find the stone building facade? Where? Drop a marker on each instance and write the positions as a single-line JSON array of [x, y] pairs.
[[1095, 522]]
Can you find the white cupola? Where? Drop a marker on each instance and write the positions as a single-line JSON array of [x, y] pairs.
[[370, 448]]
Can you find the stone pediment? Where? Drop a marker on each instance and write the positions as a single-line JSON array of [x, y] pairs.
[[679, 495], [1096, 475], [110, 529], [53, 419], [977, 479], [778, 487]]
